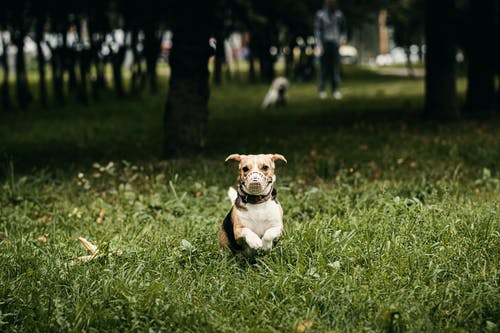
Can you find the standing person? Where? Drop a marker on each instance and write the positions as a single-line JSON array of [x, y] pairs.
[[330, 33]]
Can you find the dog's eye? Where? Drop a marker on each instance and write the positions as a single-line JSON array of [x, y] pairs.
[[245, 169], [265, 168]]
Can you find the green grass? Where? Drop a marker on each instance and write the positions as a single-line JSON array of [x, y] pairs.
[[391, 223]]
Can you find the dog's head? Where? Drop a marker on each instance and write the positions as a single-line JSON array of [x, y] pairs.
[[256, 172], [280, 84]]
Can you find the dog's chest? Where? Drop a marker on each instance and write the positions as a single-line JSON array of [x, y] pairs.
[[261, 217]]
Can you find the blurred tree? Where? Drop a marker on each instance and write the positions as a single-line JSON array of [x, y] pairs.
[[262, 25], [97, 26], [21, 24], [481, 52], [133, 15], [440, 90], [58, 27], [222, 29], [406, 16], [186, 111], [5, 45], [497, 53], [40, 17]]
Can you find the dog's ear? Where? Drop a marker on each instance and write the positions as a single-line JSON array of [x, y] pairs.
[[233, 157], [275, 157]]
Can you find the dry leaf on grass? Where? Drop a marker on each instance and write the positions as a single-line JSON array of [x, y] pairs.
[[90, 247], [100, 218], [304, 325], [93, 250]]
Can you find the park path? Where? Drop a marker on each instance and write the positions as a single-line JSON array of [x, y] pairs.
[[400, 71]]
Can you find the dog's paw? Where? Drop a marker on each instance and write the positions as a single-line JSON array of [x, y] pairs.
[[267, 244], [254, 242]]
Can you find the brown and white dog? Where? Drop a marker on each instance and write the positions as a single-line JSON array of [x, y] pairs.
[[256, 218]]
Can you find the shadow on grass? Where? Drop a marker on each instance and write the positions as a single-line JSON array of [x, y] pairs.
[[83, 144], [75, 136]]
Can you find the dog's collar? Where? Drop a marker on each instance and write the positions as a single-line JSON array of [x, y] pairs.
[[244, 197]]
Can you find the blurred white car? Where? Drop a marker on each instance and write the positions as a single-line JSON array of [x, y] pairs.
[[398, 56], [348, 54]]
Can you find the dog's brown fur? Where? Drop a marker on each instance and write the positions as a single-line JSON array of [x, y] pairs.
[[230, 231]]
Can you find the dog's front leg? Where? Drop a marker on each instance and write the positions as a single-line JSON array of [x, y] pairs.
[[249, 237], [269, 236]]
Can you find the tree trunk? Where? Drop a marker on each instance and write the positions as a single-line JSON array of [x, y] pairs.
[[481, 62], [5, 83], [57, 66], [117, 61], [186, 111], [289, 58], [24, 96], [98, 82], [263, 39], [84, 56], [41, 62], [496, 52], [440, 89], [251, 66], [69, 63], [151, 49], [84, 61], [219, 59], [136, 80], [409, 65], [266, 62]]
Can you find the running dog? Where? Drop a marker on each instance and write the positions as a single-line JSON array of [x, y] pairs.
[[256, 218]]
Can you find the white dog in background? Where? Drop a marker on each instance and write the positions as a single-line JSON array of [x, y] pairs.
[[276, 96]]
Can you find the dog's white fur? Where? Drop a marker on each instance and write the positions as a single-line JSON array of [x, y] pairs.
[[263, 222], [273, 96], [232, 195]]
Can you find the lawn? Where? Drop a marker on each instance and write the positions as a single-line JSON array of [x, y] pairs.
[[391, 222]]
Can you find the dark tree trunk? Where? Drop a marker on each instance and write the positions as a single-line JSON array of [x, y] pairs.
[[84, 56], [137, 77], [440, 90], [117, 61], [69, 63], [481, 62], [98, 82], [219, 59], [41, 62], [151, 50], [57, 67], [289, 59], [84, 67], [496, 52], [409, 65], [251, 65], [24, 96], [263, 39], [57, 74], [5, 82], [186, 111], [266, 62]]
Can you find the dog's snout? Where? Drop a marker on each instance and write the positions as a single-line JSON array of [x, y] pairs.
[[255, 176]]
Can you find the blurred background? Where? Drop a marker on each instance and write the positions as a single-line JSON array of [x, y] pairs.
[[277, 35], [54, 54]]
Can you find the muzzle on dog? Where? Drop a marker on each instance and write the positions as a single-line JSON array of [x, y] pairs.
[[256, 182]]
